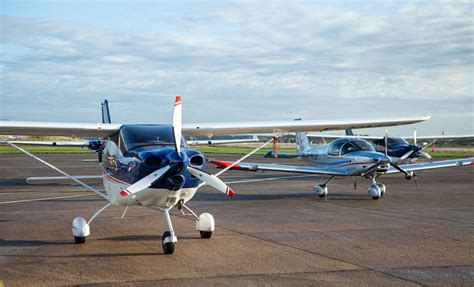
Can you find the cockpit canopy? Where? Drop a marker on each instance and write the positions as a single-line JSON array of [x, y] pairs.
[[345, 145], [141, 137]]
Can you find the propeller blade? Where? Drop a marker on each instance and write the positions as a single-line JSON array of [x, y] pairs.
[[405, 156], [386, 142], [414, 136], [212, 180], [145, 182], [428, 145], [425, 154], [177, 112]]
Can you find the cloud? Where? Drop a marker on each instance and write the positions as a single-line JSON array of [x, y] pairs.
[[247, 61]]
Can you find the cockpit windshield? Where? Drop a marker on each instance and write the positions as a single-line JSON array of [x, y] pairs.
[[135, 136], [344, 145], [356, 145]]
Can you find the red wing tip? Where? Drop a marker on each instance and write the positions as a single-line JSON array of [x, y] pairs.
[[224, 163]]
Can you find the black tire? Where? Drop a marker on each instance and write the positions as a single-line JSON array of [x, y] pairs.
[[375, 197], [168, 248], [206, 234], [79, 239], [322, 195]]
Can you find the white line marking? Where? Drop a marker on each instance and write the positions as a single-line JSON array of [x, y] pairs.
[[268, 179], [46, 198]]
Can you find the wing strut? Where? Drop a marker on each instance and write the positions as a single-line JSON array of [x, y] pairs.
[[58, 170]]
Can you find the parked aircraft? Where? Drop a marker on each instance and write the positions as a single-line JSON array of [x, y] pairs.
[[399, 149], [344, 157], [152, 165]]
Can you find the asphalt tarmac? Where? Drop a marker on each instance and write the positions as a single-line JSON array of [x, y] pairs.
[[275, 232]]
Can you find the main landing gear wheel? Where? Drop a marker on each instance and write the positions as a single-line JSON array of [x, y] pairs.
[[205, 225], [321, 190], [168, 245], [79, 239], [206, 234], [80, 230]]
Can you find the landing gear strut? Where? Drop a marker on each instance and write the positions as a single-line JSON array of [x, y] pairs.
[[169, 239], [205, 223], [80, 227]]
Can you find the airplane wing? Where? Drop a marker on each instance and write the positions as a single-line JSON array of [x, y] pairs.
[[279, 167], [439, 137], [434, 164], [58, 129], [210, 129], [86, 143], [216, 142], [53, 143], [315, 135], [207, 129]]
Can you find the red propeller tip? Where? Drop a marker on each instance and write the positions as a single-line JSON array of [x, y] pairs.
[[178, 100], [230, 192], [124, 193]]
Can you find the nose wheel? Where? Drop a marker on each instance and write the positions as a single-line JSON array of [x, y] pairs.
[[376, 190]]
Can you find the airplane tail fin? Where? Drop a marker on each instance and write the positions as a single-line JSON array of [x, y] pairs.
[[302, 142], [106, 113], [349, 132]]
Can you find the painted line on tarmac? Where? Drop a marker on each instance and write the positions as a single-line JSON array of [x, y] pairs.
[[268, 179], [46, 198]]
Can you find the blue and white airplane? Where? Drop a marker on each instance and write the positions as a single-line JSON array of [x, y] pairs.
[[343, 157], [151, 164]]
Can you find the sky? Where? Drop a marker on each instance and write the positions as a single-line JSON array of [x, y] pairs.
[[239, 61]]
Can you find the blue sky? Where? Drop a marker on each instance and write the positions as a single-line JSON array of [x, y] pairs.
[[239, 61]]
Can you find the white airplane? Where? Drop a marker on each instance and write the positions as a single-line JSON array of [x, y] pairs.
[[353, 157], [151, 164]]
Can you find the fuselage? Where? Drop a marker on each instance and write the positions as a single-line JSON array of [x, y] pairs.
[[137, 151], [353, 156]]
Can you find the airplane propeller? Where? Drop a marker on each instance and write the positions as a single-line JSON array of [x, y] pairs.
[[207, 178], [145, 182]]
